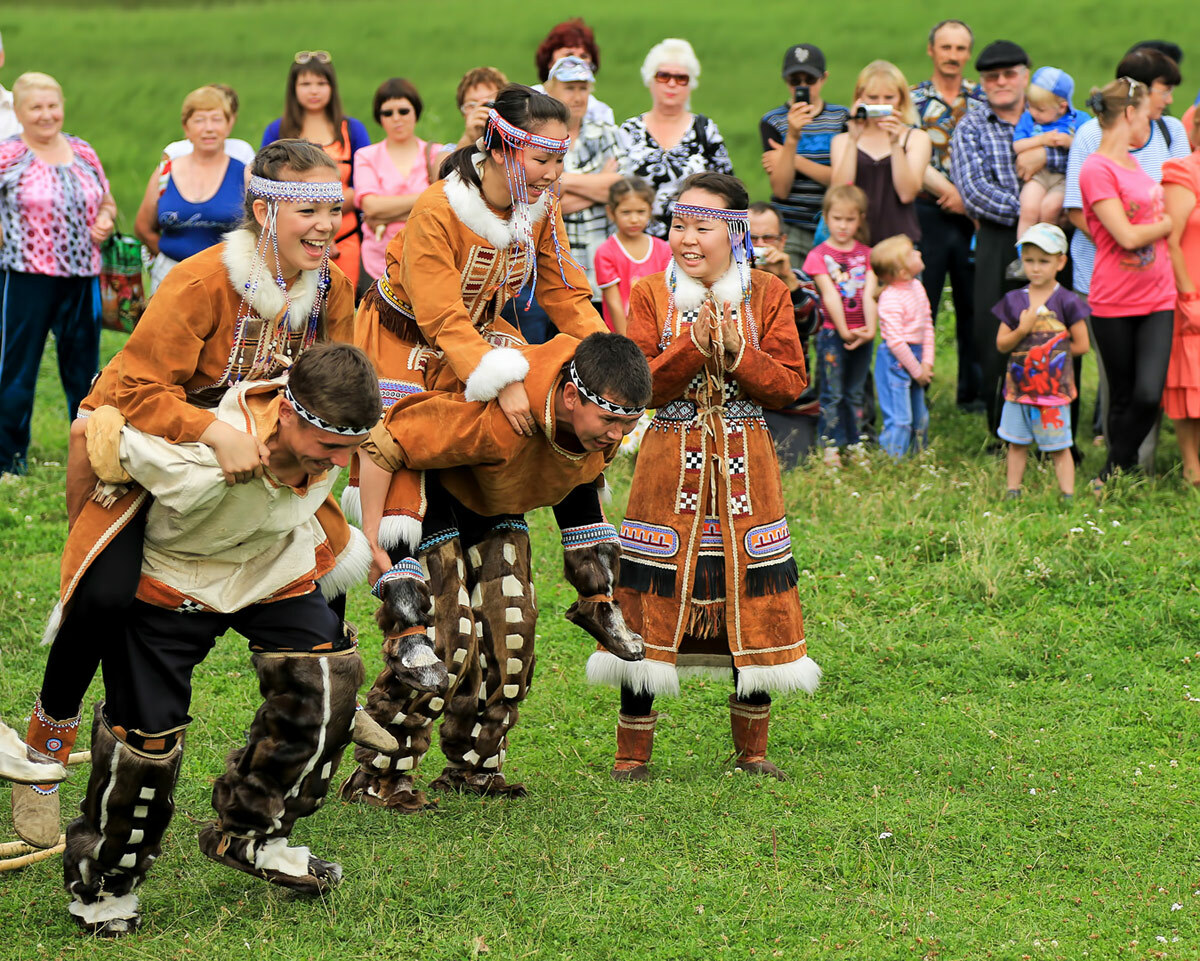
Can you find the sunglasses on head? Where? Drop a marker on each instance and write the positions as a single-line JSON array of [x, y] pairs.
[[399, 111], [666, 77], [306, 56]]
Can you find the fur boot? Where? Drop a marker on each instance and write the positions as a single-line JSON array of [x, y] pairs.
[[749, 723], [116, 838], [592, 571], [36, 816], [635, 743], [474, 733], [282, 774], [385, 778]]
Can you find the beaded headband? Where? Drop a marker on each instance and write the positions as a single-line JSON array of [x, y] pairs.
[[321, 423], [599, 401], [738, 222], [296, 191], [516, 137]]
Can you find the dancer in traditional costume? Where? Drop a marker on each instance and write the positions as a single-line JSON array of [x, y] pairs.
[[481, 476], [491, 227], [238, 311], [707, 573], [219, 556]]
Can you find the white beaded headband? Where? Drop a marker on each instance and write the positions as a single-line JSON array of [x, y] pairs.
[[738, 222], [297, 191], [320, 422], [602, 402]]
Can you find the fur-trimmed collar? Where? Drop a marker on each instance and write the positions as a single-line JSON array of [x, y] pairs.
[[690, 293], [467, 202], [238, 258]]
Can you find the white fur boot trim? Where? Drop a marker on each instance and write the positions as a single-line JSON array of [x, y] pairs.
[[351, 568], [499, 367], [643, 677], [53, 624], [801, 675], [106, 909], [399, 530], [275, 855]]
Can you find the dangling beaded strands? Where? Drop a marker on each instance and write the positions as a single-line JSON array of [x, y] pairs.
[[513, 141], [268, 347]]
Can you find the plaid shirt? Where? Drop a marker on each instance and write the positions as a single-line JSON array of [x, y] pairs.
[[983, 167], [587, 229]]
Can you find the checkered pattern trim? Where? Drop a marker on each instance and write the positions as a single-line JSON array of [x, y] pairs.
[[737, 465], [693, 459], [588, 535], [687, 502], [407, 567], [740, 504], [191, 607]]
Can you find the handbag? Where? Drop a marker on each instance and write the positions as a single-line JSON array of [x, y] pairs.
[[122, 289]]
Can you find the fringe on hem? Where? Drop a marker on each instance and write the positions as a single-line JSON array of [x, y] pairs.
[[710, 578], [646, 578], [799, 675], [642, 677], [705, 620], [390, 319], [772, 578], [351, 567], [399, 530]]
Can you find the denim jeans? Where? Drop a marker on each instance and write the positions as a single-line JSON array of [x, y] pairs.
[[843, 379], [902, 403]]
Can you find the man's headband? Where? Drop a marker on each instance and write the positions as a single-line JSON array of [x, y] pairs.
[[316, 421], [516, 137], [602, 402], [297, 191]]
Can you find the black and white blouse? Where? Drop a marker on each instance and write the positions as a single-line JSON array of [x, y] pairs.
[[702, 148]]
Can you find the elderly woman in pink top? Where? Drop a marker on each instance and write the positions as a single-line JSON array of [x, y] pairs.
[[390, 175], [55, 212]]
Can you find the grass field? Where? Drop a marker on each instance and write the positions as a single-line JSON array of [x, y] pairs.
[[1003, 760]]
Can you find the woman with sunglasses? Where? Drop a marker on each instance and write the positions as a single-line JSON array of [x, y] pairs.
[[390, 175], [313, 111], [669, 142]]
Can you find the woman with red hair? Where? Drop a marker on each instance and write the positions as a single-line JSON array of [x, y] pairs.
[[572, 38]]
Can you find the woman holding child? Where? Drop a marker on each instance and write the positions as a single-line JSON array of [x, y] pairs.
[[1133, 289], [707, 574]]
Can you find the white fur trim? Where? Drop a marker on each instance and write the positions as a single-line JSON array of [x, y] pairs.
[[399, 530], [239, 255], [53, 624], [352, 504], [351, 568], [690, 293], [15, 764], [423, 656], [275, 855], [643, 677], [801, 675], [467, 202], [106, 909], [498, 368], [604, 491]]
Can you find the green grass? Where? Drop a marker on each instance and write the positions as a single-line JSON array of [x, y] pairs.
[[1002, 761]]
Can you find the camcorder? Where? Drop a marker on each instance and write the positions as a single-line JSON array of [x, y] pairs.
[[872, 111]]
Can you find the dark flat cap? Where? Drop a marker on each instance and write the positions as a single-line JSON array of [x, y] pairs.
[[1001, 53]]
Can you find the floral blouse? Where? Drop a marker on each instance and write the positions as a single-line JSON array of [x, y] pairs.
[[702, 148]]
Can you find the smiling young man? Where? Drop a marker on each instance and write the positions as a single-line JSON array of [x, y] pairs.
[[478, 477], [215, 557]]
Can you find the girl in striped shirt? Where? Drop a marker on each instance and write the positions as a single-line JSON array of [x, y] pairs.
[[904, 360]]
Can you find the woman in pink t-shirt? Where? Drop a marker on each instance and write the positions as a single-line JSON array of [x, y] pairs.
[[1133, 288], [390, 175]]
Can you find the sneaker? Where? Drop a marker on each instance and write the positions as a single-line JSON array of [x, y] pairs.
[[1015, 271], [1012, 494]]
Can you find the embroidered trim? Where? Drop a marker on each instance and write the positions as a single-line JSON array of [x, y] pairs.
[[320, 422], [296, 191], [405, 567], [642, 538], [394, 390], [768, 539], [588, 536], [598, 400]]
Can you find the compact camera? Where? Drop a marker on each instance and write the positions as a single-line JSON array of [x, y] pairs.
[[761, 252], [872, 111]]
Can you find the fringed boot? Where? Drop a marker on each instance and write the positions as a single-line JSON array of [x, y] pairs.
[[36, 813], [635, 742], [749, 723]]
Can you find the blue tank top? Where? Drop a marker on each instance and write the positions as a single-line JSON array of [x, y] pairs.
[[189, 228]]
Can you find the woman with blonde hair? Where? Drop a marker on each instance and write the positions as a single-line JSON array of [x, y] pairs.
[[882, 151], [192, 200], [669, 142]]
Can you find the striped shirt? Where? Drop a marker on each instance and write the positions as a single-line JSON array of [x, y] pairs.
[[904, 319], [802, 208], [1150, 157], [983, 167]]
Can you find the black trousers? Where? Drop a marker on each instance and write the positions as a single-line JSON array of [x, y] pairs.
[[148, 677], [946, 250], [1135, 352], [636, 704], [994, 251]]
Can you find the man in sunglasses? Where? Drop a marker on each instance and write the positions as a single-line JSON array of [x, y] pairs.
[[989, 176], [795, 139]]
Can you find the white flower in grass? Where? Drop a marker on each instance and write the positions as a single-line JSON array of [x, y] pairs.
[[1176, 906], [885, 835], [871, 577]]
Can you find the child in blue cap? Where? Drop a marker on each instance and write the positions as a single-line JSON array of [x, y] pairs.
[[1049, 120]]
